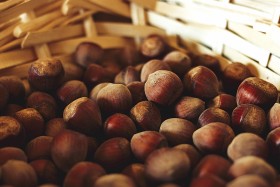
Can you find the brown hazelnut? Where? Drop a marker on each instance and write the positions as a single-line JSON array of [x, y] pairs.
[[54, 126], [249, 118], [136, 171], [83, 174], [136, 89], [83, 115], [233, 75], [273, 141], [201, 82], [212, 165], [72, 72], [208, 61], [71, 90], [252, 165], [18, 174], [114, 98], [12, 132], [223, 101], [127, 75], [46, 74], [32, 122], [177, 131], [213, 138], [153, 46], [152, 66], [273, 116], [11, 153], [119, 125], [208, 180], [15, 88], [46, 171], [11, 109], [95, 74], [213, 114], [189, 108], [193, 154], [68, 148], [95, 90], [114, 154], [114, 180], [88, 53], [44, 103], [163, 87], [245, 144], [144, 143], [39, 148], [178, 62], [256, 91], [248, 181], [169, 185], [146, 115], [4, 97], [160, 166]]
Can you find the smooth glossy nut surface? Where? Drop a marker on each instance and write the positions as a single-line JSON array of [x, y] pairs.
[[248, 181], [213, 114], [153, 46], [114, 180], [273, 116], [39, 148], [151, 67], [136, 172], [54, 126], [14, 153], [193, 154], [223, 101]]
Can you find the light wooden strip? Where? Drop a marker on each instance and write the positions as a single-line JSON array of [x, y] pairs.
[[274, 64], [273, 33], [77, 18], [73, 6], [68, 58], [55, 23], [16, 57], [69, 46], [116, 6], [258, 38], [6, 34], [11, 45], [49, 8], [255, 5], [9, 23], [255, 68], [24, 7], [7, 39], [39, 37], [150, 4], [127, 30], [35, 24], [19, 70], [8, 4]]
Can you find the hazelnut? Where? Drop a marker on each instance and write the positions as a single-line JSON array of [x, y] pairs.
[[18, 174], [212, 165], [114, 180], [213, 115], [68, 148], [192, 153], [11, 153], [114, 154], [273, 116], [207, 180], [233, 75], [127, 75], [152, 66], [136, 89], [213, 138], [177, 131], [32, 122], [39, 148], [136, 172], [245, 144], [119, 125], [44, 103], [15, 88], [256, 91], [248, 181], [83, 115], [144, 143], [178, 62], [88, 53], [201, 82], [249, 118], [46, 171], [146, 115], [72, 72], [189, 108], [11, 132], [95, 90], [46, 74], [160, 166], [169, 185], [163, 87], [208, 61], [71, 90], [83, 174], [4, 97], [153, 46], [252, 165], [273, 140], [11, 109], [54, 126], [223, 101]]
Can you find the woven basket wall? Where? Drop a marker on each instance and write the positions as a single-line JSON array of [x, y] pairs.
[[240, 30]]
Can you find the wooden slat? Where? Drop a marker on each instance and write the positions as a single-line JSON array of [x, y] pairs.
[[274, 64], [150, 4], [11, 45], [8, 4], [69, 46], [19, 70]]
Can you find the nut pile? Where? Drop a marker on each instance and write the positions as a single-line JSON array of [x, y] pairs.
[[147, 117]]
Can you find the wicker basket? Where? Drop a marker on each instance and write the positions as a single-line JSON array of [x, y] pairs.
[[244, 31]]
